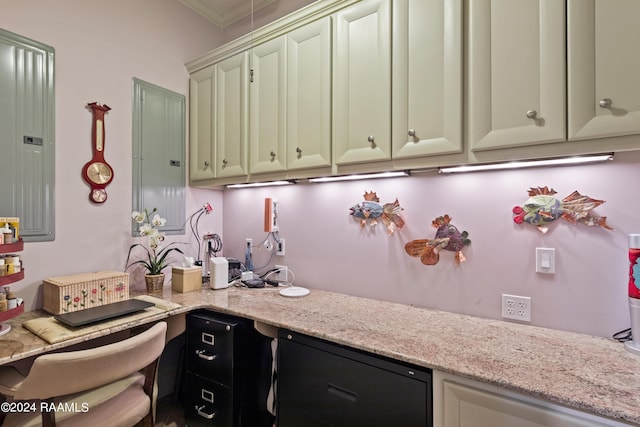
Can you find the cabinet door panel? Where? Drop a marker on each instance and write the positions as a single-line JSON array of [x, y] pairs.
[[427, 77], [362, 83], [231, 116], [602, 36], [468, 407], [201, 152], [309, 95], [516, 73], [268, 107]]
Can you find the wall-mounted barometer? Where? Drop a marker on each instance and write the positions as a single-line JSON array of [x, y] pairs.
[[97, 171]]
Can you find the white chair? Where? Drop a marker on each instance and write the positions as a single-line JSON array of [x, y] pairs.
[[111, 385]]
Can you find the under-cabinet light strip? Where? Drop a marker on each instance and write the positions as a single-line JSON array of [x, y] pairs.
[[360, 176], [260, 184], [528, 163]]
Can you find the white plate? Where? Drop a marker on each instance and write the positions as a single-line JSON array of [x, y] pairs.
[[294, 291]]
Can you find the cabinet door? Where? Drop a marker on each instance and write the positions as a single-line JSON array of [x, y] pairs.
[[469, 407], [309, 96], [268, 107], [201, 152], [427, 77], [231, 113], [604, 68], [516, 73], [362, 83]]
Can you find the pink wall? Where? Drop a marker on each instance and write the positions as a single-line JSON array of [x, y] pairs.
[[100, 47], [326, 248]]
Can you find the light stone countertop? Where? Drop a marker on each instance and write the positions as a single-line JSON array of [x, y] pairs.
[[588, 373]]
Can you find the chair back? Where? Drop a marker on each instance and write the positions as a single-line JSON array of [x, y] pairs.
[[59, 374]]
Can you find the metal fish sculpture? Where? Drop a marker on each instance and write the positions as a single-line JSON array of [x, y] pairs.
[[370, 210], [448, 237], [543, 208]]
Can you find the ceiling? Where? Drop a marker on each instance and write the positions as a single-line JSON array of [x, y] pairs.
[[225, 12]]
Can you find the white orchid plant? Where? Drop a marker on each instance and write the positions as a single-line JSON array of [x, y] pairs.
[[156, 257]]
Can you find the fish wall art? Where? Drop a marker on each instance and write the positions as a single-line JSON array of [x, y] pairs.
[[448, 238], [369, 211], [543, 207]]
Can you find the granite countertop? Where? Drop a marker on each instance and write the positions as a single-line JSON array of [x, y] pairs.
[[583, 372]]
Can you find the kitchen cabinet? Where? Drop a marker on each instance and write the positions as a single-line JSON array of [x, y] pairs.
[[516, 73], [322, 384], [268, 107], [231, 116], [218, 124], [460, 402], [604, 74], [362, 83], [224, 356], [309, 95], [427, 78], [201, 126]]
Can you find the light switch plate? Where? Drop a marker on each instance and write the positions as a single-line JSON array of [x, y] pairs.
[[545, 260]]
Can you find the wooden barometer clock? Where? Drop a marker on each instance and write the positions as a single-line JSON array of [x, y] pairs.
[[97, 171]]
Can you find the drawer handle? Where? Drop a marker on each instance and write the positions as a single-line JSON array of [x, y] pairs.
[[342, 393], [203, 414], [532, 114], [202, 354]]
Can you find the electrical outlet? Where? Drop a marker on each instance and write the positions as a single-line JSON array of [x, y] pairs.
[[516, 307], [282, 275], [280, 247]]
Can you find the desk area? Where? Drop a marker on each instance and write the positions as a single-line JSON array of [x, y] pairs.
[[587, 373]]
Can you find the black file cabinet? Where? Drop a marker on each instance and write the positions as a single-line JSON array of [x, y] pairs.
[[227, 376], [321, 384]]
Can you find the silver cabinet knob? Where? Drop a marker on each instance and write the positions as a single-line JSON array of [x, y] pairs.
[[532, 114], [605, 102], [224, 162], [412, 133], [371, 139]]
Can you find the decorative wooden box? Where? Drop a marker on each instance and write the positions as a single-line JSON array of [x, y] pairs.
[[76, 292]]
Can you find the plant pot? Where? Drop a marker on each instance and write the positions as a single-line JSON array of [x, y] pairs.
[[154, 282]]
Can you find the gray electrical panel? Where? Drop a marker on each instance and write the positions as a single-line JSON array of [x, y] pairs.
[[27, 130]]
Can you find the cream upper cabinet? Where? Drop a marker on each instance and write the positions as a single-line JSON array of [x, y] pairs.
[[309, 95], [201, 126], [604, 68], [268, 111], [231, 114], [362, 83], [427, 77], [516, 73]]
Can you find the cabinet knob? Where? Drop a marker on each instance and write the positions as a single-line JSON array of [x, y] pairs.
[[371, 140], [224, 162], [273, 155], [206, 163], [412, 133], [605, 102], [298, 150], [532, 114]]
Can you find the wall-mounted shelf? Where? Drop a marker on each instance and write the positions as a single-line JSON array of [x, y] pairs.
[[6, 280], [12, 247]]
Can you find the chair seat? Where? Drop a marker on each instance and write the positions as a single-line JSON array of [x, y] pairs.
[[127, 405]]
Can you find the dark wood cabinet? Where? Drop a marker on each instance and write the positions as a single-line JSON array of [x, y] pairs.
[[321, 384]]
